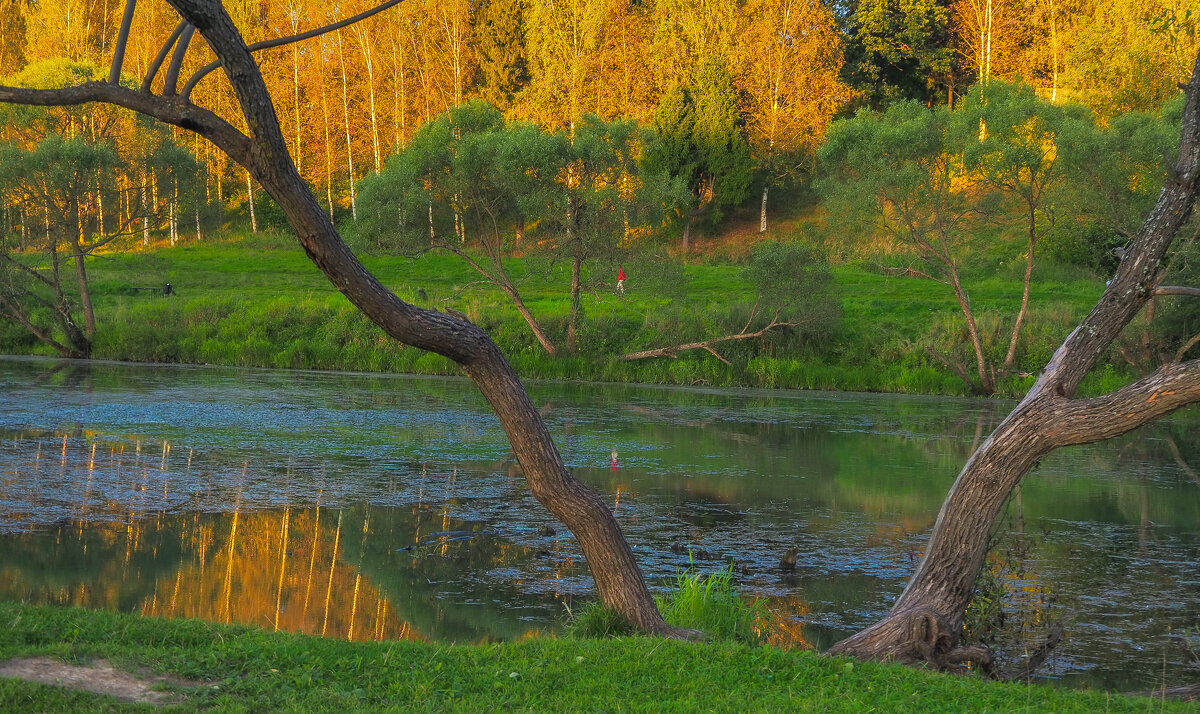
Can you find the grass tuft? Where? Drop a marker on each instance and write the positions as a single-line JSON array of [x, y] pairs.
[[710, 603], [596, 622]]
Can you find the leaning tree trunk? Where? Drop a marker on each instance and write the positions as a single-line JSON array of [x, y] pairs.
[[924, 624], [264, 154]]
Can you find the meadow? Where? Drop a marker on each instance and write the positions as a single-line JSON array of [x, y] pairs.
[[256, 301]]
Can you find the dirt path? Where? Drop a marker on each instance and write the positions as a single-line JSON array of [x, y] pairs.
[[98, 677]]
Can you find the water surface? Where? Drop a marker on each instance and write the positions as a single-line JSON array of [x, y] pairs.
[[376, 507]]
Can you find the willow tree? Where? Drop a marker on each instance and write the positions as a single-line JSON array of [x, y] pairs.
[[263, 152]]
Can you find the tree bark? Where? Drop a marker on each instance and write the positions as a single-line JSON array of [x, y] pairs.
[[924, 624], [264, 153], [573, 318], [762, 211], [250, 200], [986, 384], [535, 326], [346, 118]]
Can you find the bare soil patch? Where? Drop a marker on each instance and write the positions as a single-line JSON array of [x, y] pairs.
[[98, 677]]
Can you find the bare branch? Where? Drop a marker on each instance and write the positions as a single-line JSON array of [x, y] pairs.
[[1177, 290], [716, 354], [1179, 461], [172, 78], [17, 315], [1187, 346], [114, 74], [161, 57], [280, 41], [707, 345]]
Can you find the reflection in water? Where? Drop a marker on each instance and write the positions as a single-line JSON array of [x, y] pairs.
[[374, 507], [312, 570]]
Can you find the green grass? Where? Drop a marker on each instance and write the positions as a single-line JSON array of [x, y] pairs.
[[710, 603], [258, 301], [239, 669]]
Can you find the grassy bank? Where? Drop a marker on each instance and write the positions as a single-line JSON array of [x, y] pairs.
[[229, 668], [259, 302]]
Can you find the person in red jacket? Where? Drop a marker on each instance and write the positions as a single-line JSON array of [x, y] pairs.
[[621, 280]]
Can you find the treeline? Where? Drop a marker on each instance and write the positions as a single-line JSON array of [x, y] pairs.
[[350, 98]]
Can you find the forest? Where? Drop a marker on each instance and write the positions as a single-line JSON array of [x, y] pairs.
[[349, 99]]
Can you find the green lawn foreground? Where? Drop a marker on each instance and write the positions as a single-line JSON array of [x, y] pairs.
[[243, 669]]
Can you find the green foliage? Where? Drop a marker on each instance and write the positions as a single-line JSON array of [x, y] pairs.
[[1116, 172], [720, 134], [500, 35], [710, 603], [465, 171], [794, 279], [36, 123], [897, 51], [700, 140], [984, 616], [596, 622], [896, 173]]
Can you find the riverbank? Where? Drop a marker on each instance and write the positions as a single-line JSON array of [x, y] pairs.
[[257, 301], [213, 667]]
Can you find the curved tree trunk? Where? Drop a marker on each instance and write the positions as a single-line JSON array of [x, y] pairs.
[[264, 153], [924, 624]]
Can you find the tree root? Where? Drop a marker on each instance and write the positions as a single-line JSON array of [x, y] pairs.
[[921, 637], [917, 637]]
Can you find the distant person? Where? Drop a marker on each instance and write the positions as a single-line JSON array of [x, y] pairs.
[[614, 463], [621, 280]]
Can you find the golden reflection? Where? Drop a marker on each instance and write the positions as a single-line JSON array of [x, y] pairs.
[[283, 543], [337, 537], [783, 623], [259, 543]]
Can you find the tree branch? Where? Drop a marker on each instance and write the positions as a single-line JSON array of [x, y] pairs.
[[1187, 346], [280, 41], [170, 110], [1083, 421], [161, 57], [1177, 290], [707, 345], [114, 73], [181, 48]]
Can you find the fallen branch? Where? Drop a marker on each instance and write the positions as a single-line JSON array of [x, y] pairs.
[[673, 351]]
